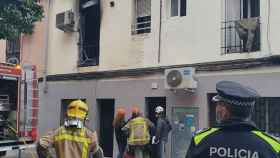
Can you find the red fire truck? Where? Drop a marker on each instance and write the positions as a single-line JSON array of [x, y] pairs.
[[18, 107]]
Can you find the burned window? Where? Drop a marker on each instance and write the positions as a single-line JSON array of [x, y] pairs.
[[13, 51], [89, 32], [240, 26], [142, 17]]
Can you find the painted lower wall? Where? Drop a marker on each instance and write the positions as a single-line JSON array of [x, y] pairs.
[[131, 91]]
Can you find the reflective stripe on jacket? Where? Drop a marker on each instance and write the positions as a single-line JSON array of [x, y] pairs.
[[138, 131], [71, 143]]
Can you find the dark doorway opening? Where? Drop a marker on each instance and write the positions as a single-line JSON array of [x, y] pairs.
[[152, 103], [106, 113]]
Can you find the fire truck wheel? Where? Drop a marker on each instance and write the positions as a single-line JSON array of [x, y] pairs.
[[2, 153]]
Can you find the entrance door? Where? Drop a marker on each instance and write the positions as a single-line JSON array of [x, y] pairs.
[[152, 103], [184, 123], [106, 113]]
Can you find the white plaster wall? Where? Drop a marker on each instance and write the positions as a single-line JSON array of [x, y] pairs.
[[2, 51], [195, 38], [63, 48]]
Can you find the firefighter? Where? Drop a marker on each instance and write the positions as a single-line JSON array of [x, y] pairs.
[[73, 139], [163, 128], [138, 130], [235, 136]]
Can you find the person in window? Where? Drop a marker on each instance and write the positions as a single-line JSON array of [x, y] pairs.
[[236, 135], [73, 139], [118, 123]]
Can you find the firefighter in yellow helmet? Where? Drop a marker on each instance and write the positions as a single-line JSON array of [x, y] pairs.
[[73, 139], [138, 128]]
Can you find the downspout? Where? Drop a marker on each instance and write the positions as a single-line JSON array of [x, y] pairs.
[[159, 32], [46, 49]]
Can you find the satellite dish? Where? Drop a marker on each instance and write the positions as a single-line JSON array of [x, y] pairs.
[[174, 78], [13, 60]]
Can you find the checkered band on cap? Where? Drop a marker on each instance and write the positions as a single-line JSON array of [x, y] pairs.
[[238, 102]]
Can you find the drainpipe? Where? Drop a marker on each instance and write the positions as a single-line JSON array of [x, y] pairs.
[[159, 32], [46, 49]]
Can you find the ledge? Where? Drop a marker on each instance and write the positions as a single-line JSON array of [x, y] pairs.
[[200, 67]]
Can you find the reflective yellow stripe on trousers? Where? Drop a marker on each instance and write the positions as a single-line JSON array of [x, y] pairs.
[[79, 139]]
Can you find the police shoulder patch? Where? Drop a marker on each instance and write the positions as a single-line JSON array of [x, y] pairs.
[[274, 143], [201, 130], [203, 134]]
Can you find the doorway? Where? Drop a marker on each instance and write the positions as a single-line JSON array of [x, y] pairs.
[[151, 104], [106, 115]]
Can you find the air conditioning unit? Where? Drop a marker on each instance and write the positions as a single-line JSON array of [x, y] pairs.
[[180, 78], [65, 21]]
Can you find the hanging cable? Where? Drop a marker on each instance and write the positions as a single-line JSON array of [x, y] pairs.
[[268, 27]]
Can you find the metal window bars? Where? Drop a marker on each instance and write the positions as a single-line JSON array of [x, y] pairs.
[[239, 36]]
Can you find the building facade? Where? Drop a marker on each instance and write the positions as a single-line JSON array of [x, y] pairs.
[[27, 49], [114, 53]]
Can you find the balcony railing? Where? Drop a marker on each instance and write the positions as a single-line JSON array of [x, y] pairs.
[[240, 36], [89, 55]]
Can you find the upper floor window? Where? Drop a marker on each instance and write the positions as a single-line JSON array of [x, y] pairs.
[[13, 51], [142, 17], [89, 45], [178, 8], [240, 26]]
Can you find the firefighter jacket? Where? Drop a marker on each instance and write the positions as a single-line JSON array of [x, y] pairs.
[[233, 140], [70, 143], [138, 129]]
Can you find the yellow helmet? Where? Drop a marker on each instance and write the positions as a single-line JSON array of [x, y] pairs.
[[77, 109]]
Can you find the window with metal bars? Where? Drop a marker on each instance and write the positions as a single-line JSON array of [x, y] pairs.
[[240, 26], [142, 17], [13, 51]]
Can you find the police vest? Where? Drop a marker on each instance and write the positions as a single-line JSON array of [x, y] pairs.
[[225, 149], [139, 132]]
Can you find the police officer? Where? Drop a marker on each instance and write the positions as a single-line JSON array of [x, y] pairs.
[[235, 136]]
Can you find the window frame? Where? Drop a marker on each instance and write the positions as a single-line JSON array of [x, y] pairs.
[[146, 20], [178, 9]]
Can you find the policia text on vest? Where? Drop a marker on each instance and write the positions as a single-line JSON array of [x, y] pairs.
[[232, 153]]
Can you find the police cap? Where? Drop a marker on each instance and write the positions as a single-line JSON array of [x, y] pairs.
[[235, 94]]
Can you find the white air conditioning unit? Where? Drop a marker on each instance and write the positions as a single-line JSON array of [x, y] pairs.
[[65, 21], [180, 78]]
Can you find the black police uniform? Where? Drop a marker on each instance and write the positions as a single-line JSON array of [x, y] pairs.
[[234, 138]]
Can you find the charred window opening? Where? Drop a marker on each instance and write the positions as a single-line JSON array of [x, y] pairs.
[[241, 26], [13, 51], [89, 32]]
